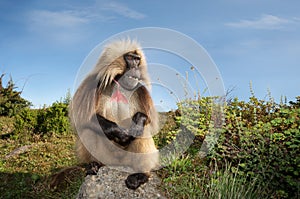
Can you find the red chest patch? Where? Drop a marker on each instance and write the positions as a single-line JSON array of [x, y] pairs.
[[117, 95]]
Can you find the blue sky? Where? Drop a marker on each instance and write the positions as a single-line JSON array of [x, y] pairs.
[[43, 43]]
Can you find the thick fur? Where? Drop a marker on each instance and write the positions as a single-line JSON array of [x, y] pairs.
[[94, 97]]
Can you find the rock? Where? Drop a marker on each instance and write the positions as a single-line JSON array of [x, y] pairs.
[[110, 183], [19, 151]]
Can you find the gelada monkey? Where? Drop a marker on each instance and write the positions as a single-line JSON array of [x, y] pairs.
[[114, 115]]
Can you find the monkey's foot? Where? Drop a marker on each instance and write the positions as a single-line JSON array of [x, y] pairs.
[[92, 168], [135, 180]]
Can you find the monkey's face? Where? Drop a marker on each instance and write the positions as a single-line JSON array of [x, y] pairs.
[[130, 79]]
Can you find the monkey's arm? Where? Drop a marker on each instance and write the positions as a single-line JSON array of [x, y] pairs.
[[114, 132]]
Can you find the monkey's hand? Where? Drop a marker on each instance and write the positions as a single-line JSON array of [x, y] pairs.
[[138, 122], [114, 132]]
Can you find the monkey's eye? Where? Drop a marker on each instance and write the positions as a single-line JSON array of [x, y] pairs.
[[132, 60], [131, 56]]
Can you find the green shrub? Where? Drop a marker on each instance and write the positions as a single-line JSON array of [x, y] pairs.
[[54, 119], [262, 139], [43, 122], [191, 116], [195, 116], [26, 121], [11, 101]]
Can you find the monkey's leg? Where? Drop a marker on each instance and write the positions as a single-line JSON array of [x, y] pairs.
[[135, 180], [114, 132]]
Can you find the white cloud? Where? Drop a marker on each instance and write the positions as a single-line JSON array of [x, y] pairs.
[[76, 16], [65, 18], [62, 27], [123, 10], [264, 22], [71, 23]]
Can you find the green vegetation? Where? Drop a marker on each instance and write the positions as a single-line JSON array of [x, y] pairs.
[[44, 122], [34, 145], [256, 154], [10, 100]]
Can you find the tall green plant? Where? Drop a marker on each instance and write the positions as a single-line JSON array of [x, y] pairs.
[[11, 101]]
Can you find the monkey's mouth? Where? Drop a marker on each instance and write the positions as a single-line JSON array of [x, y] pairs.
[[133, 77]]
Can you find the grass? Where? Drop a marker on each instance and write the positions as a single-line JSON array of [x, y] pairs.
[[224, 183], [190, 176], [27, 175], [187, 177]]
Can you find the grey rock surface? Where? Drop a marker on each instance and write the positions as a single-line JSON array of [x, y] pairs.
[[110, 183]]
